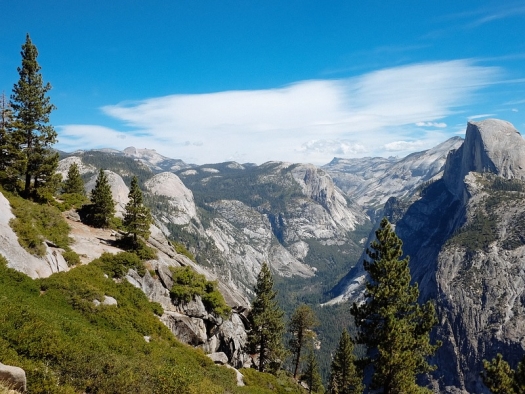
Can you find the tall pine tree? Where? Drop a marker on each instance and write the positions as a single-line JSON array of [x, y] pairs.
[[137, 218], [311, 375], [344, 377], [74, 184], [32, 135], [300, 326], [392, 324], [102, 206], [265, 337], [6, 154]]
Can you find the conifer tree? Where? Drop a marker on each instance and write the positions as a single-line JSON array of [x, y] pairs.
[[137, 218], [102, 206], [393, 326], [265, 337], [300, 326], [311, 375], [499, 376], [74, 184], [32, 135], [344, 377], [6, 121]]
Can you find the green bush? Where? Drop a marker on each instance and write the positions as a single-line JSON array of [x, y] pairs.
[[117, 265], [187, 284], [71, 201], [71, 257], [181, 249], [143, 251]]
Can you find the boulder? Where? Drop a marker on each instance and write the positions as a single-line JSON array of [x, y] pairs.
[[109, 301], [219, 358], [187, 329], [15, 377]]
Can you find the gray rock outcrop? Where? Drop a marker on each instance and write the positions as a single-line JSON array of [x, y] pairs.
[[180, 199], [15, 377]]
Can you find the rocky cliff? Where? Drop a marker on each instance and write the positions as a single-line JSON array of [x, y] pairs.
[[464, 236]]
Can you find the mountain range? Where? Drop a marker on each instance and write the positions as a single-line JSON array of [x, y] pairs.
[[458, 208]]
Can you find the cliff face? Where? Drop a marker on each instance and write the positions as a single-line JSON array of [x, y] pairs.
[[464, 235]]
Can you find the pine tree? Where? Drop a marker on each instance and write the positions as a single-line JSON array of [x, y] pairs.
[[393, 326], [344, 378], [6, 121], [137, 218], [300, 326], [311, 375], [33, 136], [265, 337], [102, 206], [74, 184], [498, 376]]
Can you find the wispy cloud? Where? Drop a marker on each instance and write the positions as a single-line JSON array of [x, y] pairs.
[[503, 12], [432, 124], [308, 121], [480, 116], [397, 146]]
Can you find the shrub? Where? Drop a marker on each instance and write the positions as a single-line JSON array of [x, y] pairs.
[[143, 251], [71, 257], [187, 284], [71, 201], [117, 265]]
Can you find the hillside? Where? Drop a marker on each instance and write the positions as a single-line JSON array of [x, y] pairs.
[[94, 327]]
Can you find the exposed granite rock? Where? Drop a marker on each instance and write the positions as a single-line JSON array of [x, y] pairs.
[[64, 164], [219, 358], [180, 197], [187, 329], [15, 377]]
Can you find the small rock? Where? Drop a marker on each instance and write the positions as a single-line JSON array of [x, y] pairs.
[[72, 215], [109, 301], [14, 376], [219, 358]]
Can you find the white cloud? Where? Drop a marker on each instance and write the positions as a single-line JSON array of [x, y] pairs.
[[432, 124], [309, 121], [514, 110], [333, 147], [480, 116], [396, 146]]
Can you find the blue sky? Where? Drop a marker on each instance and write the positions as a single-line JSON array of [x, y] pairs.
[[253, 81]]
